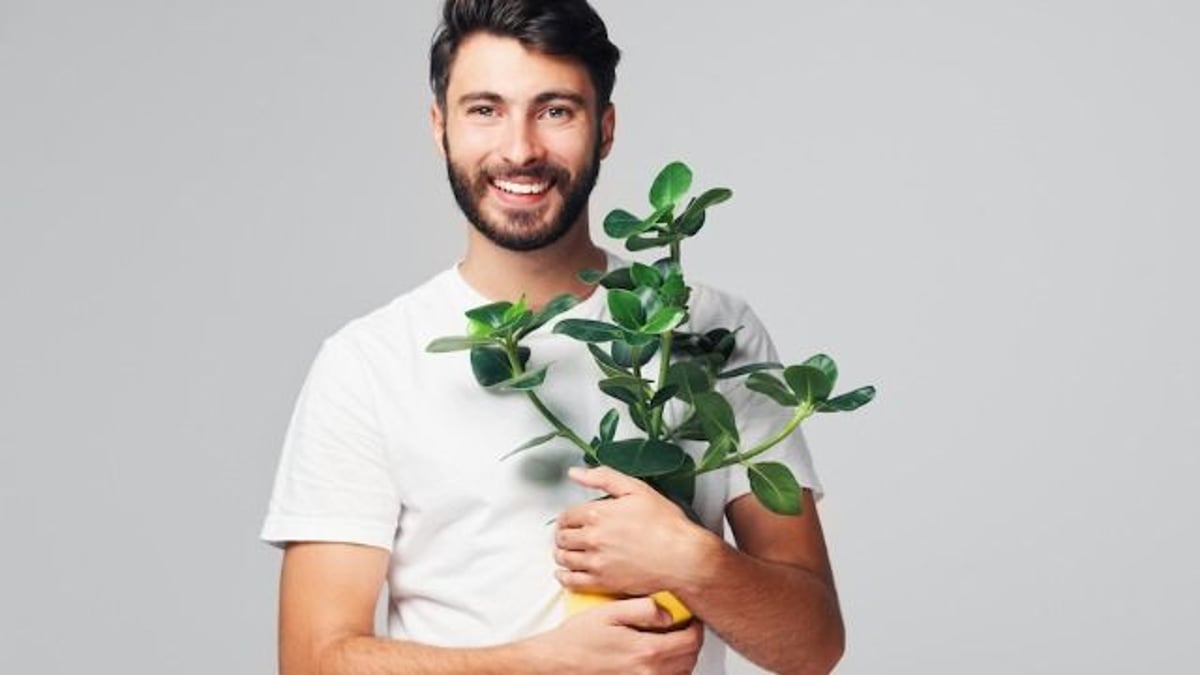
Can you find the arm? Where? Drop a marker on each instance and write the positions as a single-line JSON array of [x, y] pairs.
[[773, 601], [327, 601]]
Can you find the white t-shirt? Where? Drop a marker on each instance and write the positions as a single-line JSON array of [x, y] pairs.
[[394, 447]]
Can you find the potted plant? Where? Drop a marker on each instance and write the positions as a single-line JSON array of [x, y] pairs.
[[648, 304]]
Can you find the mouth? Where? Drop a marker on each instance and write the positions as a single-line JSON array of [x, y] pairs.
[[527, 189]]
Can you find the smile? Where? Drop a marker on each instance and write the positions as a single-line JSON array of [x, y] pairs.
[[521, 188]]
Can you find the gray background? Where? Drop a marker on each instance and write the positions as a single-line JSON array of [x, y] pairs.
[[986, 209]]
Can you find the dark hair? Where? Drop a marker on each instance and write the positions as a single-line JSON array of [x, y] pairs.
[[558, 27]]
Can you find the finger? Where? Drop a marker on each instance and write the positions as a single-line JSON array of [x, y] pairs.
[[572, 561], [607, 479], [582, 515], [573, 539], [581, 582], [685, 642], [637, 613]]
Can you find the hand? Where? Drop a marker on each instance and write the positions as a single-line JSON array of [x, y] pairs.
[[617, 638], [636, 543]]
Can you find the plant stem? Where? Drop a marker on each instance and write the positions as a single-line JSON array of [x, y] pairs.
[[803, 412], [664, 363], [558, 424], [510, 349], [664, 359]]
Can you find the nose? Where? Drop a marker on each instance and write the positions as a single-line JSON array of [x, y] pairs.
[[521, 144]]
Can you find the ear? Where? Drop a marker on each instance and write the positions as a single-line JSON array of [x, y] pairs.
[[437, 124], [608, 122]]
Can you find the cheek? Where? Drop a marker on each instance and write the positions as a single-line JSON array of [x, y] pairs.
[[467, 144]]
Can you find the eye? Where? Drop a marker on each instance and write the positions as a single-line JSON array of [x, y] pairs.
[[558, 112], [481, 111]]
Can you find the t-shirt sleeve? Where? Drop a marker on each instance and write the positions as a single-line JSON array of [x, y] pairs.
[[759, 417], [334, 481]]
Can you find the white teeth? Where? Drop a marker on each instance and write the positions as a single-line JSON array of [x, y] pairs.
[[521, 188]]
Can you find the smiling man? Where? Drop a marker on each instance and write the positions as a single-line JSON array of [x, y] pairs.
[[390, 472]]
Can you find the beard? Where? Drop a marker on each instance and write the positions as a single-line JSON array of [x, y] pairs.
[[523, 229]]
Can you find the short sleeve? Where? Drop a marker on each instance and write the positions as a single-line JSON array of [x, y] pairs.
[[334, 480], [759, 417]]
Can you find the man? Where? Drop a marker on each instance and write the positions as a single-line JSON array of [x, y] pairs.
[[390, 467]]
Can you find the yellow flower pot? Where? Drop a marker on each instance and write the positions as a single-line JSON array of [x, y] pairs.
[[578, 602]]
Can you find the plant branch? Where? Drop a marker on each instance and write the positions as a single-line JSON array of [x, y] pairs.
[[560, 426], [510, 349], [803, 412]]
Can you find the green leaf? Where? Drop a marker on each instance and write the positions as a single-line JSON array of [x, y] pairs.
[[691, 429], [680, 485], [590, 276], [514, 312], [663, 395], [626, 309], [662, 215], [693, 217], [587, 330], [766, 383], [490, 315], [849, 401], [628, 390], [724, 342], [674, 291], [490, 365], [514, 323], [776, 487], [671, 184], [689, 378], [634, 355], [532, 443], [556, 306], [718, 449], [716, 415], [642, 458], [606, 363], [826, 365], [479, 329], [639, 243], [455, 343], [620, 223], [637, 414], [668, 267], [691, 222], [807, 383], [618, 278], [664, 320], [750, 368], [645, 275], [526, 381], [608, 425]]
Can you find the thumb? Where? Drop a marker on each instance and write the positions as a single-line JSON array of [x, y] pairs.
[[638, 613], [606, 479]]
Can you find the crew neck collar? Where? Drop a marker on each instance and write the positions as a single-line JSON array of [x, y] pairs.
[[585, 306]]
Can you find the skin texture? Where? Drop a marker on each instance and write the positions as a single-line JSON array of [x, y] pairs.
[[774, 600]]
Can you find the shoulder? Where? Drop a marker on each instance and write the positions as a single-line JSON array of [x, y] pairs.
[[409, 321], [711, 307]]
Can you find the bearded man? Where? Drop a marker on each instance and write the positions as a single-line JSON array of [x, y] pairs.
[[390, 470]]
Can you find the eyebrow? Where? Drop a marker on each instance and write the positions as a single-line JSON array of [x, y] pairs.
[[540, 99]]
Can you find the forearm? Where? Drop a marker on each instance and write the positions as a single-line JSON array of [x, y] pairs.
[[361, 655], [781, 617]]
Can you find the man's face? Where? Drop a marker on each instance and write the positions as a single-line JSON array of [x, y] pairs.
[[522, 140]]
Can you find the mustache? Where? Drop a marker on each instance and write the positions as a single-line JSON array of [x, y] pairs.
[[544, 172]]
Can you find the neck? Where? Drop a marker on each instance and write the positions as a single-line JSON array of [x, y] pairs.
[[500, 274]]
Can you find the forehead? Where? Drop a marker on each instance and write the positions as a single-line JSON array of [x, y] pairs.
[[502, 65]]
